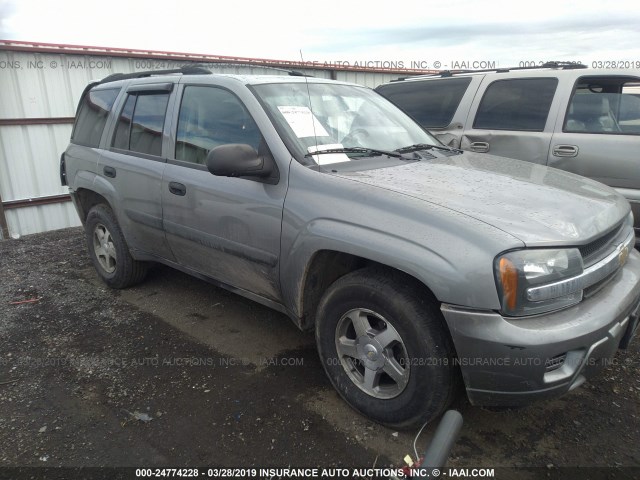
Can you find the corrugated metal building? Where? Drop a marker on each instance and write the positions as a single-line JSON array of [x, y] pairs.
[[41, 85]]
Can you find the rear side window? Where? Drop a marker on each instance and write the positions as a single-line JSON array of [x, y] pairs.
[[431, 103], [140, 125], [516, 104], [210, 117], [92, 116], [605, 105]]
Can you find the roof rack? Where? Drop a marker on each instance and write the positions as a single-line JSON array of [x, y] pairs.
[[184, 70], [291, 73], [451, 73]]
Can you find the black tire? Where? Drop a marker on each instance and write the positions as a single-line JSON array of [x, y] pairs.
[[121, 271], [432, 381]]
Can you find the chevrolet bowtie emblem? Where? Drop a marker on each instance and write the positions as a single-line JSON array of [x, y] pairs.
[[623, 255]]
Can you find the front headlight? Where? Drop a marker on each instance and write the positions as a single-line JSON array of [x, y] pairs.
[[521, 270]]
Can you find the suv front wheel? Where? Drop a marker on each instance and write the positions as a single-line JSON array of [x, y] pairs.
[[109, 251], [384, 346]]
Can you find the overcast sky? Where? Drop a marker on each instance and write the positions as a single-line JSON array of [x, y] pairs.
[[350, 31]]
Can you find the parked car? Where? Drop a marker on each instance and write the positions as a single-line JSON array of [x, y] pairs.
[[420, 267], [584, 121]]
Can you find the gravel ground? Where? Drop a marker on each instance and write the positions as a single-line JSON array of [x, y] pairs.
[[176, 372]]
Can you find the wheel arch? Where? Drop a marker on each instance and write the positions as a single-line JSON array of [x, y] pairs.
[[326, 266], [87, 199], [91, 190]]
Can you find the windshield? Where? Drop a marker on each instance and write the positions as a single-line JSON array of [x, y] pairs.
[[341, 119]]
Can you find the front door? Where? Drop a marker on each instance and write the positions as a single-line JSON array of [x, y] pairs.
[[225, 228]]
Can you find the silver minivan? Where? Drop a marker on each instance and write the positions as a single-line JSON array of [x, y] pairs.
[[581, 120]]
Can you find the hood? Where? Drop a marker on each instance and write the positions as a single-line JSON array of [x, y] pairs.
[[537, 204]]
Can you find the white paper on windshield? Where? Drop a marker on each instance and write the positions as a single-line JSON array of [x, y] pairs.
[[303, 122], [327, 158]]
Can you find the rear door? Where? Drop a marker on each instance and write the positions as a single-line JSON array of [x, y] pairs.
[[599, 134], [225, 228], [133, 164], [513, 117]]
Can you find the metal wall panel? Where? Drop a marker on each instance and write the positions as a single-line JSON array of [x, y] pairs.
[[367, 79], [29, 160], [48, 85], [41, 218]]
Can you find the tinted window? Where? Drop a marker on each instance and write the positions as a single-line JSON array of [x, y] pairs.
[[432, 103], [518, 104], [139, 127], [123, 127], [210, 117], [92, 116], [604, 105]]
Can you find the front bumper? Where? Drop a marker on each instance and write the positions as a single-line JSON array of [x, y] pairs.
[[510, 361]]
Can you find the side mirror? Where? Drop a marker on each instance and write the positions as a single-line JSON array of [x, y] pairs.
[[238, 160]]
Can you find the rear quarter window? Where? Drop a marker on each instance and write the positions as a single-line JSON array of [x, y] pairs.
[[92, 116], [431, 103]]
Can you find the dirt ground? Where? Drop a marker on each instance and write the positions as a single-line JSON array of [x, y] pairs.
[[176, 372]]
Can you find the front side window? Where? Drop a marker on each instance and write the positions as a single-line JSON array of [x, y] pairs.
[[431, 103], [325, 116], [140, 125], [92, 116], [520, 104], [604, 105], [210, 117]]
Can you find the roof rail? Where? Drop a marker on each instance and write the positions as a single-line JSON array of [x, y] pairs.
[[184, 70], [295, 73], [450, 73], [291, 73]]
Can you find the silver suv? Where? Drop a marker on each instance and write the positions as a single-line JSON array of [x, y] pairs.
[[580, 120], [421, 267]]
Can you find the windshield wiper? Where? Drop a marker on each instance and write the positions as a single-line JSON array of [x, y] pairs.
[[425, 146], [369, 151]]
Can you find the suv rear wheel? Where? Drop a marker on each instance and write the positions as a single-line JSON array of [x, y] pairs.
[[385, 348], [109, 251]]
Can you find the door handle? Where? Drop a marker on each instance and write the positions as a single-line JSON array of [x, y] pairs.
[[109, 172], [565, 150], [480, 147], [177, 189]]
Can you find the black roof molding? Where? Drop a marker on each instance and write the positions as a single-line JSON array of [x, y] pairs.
[[451, 73], [184, 70]]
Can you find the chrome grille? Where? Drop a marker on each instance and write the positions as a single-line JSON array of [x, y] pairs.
[[599, 248]]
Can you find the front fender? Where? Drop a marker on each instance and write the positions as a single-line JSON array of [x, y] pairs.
[[450, 253], [375, 245]]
